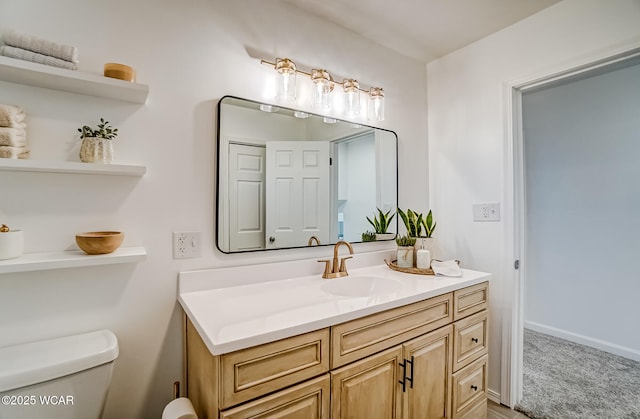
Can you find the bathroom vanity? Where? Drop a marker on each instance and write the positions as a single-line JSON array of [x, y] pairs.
[[375, 344]]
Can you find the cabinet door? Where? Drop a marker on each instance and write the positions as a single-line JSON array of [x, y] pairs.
[[309, 400], [369, 388], [430, 395]]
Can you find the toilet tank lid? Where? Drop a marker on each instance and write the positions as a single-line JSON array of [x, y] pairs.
[[36, 362]]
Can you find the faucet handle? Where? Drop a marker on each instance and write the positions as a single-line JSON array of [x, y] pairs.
[[343, 264], [327, 267]]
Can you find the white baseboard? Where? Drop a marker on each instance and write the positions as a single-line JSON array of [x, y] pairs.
[[494, 396], [585, 340]]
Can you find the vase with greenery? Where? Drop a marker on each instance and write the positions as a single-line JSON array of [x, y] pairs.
[[381, 223], [404, 253], [96, 144]]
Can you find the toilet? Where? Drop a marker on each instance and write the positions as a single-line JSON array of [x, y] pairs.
[[66, 377]]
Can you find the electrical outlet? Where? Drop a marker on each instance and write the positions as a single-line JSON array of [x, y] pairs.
[[186, 244], [486, 212]]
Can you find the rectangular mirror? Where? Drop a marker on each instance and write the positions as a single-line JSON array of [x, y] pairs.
[[290, 179]]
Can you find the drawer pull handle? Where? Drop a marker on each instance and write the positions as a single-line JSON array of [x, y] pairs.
[[474, 340], [404, 374], [474, 388]]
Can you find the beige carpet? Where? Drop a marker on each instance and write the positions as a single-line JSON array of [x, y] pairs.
[[564, 380]]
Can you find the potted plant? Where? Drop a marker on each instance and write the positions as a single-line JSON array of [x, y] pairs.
[[96, 144], [404, 253], [381, 224], [413, 222], [368, 236]]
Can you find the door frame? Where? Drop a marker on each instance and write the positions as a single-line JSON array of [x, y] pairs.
[[514, 216]]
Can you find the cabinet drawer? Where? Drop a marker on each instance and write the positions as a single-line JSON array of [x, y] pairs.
[[470, 339], [470, 300], [476, 411], [254, 372], [469, 387], [307, 400], [356, 339]]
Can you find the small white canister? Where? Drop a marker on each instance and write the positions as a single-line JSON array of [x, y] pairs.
[[11, 244]]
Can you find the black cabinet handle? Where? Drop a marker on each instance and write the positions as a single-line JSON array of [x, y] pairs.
[[474, 388], [410, 379], [404, 375], [474, 340]]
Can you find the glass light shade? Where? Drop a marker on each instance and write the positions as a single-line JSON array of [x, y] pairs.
[[376, 104], [322, 88], [268, 108], [328, 120], [286, 79], [300, 114], [351, 97]]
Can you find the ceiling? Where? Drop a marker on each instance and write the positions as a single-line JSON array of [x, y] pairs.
[[423, 29]]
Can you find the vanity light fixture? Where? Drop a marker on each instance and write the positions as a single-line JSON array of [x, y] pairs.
[[268, 108], [322, 88], [328, 120], [286, 89], [376, 104], [300, 114], [351, 89], [323, 85]]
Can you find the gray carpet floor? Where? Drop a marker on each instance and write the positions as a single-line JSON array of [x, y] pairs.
[[565, 380]]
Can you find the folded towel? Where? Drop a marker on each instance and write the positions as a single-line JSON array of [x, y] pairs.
[[41, 46], [23, 54], [12, 116], [446, 268], [15, 137], [8, 152]]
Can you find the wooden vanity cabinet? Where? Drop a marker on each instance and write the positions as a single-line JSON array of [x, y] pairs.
[[426, 360]]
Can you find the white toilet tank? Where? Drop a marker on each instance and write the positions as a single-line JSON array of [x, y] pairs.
[[66, 377]]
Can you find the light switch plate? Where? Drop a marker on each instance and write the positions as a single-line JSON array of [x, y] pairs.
[[486, 212]]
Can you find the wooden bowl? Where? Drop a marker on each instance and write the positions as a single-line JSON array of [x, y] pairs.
[[99, 242], [119, 71]]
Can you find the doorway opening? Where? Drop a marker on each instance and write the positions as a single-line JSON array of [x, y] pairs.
[[516, 221]]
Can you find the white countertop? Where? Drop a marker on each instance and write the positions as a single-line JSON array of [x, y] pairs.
[[230, 318]]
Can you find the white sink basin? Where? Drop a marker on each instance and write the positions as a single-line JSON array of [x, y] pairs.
[[360, 286]]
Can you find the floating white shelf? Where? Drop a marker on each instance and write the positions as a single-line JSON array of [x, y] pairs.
[[40, 75], [27, 165], [70, 259]]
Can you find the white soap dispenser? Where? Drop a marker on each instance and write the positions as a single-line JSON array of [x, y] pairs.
[[423, 258]]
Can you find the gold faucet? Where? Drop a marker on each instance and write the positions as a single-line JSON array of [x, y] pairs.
[[311, 240], [337, 271]]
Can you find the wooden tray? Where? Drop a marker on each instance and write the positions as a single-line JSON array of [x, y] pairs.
[[394, 265]]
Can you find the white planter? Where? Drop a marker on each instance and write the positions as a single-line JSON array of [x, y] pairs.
[[96, 150], [11, 244], [404, 257], [385, 236]]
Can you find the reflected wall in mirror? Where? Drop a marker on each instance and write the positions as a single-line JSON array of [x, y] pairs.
[[291, 179]]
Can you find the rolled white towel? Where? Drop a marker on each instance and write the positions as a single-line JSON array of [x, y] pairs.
[[12, 116], [8, 152], [23, 54], [15, 137], [41, 46]]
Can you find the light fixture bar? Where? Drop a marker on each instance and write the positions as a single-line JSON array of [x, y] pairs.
[[324, 84]]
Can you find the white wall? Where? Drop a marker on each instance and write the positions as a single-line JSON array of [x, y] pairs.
[[582, 199], [467, 124], [190, 53]]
